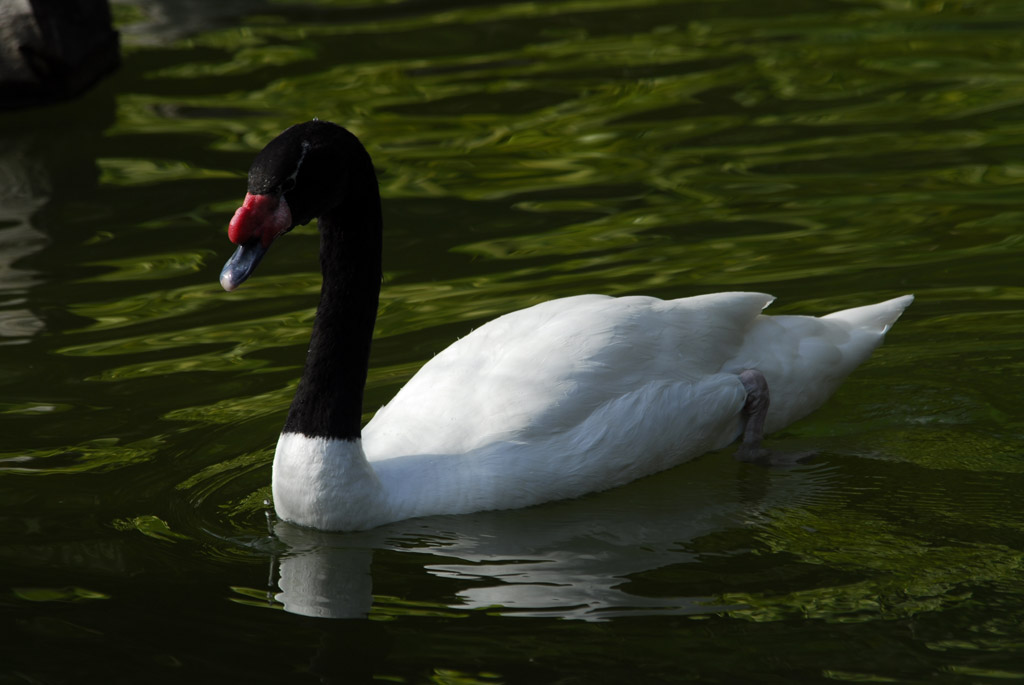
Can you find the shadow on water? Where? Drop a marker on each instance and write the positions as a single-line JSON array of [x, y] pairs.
[[47, 170]]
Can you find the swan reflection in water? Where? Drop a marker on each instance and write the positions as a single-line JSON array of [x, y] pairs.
[[572, 559]]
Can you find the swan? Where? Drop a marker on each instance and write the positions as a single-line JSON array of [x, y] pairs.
[[571, 396]]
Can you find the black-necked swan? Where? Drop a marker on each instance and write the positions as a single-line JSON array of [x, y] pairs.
[[567, 397]]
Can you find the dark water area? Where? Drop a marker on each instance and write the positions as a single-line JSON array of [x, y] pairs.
[[830, 153]]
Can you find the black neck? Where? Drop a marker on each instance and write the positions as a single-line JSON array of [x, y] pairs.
[[329, 399]]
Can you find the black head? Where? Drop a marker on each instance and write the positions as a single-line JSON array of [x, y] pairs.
[[310, 166], [305, 172]]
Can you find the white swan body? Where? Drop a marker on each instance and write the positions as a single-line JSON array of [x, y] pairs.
[[564, 398], [571, 396]]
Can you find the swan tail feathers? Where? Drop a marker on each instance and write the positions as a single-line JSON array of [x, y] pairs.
[[877, 318]]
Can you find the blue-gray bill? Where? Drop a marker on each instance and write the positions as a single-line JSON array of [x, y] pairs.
[[241, 264]]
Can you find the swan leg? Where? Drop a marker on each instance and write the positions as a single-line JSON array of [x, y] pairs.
[[754, 411]]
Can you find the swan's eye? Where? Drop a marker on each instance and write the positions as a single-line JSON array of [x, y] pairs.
[[288, 184]]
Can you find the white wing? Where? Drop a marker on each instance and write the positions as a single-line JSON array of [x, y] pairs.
[[544, 370]]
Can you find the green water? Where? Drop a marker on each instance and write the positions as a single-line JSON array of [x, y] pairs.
[[830, 153]]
